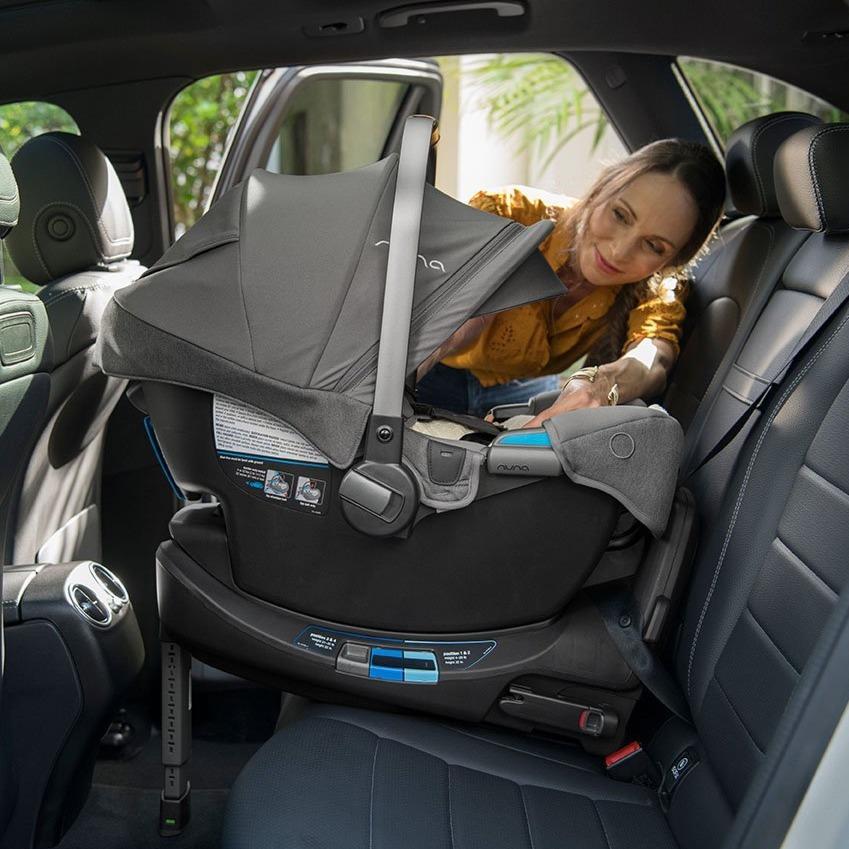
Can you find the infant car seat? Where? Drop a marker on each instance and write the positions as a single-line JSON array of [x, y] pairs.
[[275, 383]]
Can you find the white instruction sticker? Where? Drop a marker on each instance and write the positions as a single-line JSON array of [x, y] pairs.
[[245, 430]]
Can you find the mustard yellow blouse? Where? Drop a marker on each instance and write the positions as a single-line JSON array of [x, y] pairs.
[[527, 341]]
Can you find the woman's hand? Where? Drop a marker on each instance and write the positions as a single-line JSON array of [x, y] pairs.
[[639, 373], [576, 395]]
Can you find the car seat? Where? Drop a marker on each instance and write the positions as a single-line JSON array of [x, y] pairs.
[[73, 239]]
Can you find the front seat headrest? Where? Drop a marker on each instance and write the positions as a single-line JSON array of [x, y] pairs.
[[9, 200], [74, 214], [749, 157], [811, 175]]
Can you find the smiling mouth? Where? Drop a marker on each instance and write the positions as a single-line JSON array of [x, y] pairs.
[[603, 264]]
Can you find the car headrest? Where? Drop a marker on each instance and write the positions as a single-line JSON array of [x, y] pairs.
[[749, 157], [811, 175], [9, 201], [74, 215]]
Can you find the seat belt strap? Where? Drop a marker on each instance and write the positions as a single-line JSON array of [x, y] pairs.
[[622, 619], [826, 312], [759, 299]]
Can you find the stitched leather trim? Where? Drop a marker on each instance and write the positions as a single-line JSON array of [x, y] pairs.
[[756, 137], [742, 494]]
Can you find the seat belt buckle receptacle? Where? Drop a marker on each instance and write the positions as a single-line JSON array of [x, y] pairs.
[[632, 763]]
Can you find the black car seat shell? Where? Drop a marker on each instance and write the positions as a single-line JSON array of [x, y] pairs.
[[741, 267], [781, 534], [74, 238]]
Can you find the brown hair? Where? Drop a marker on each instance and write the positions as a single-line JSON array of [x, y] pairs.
[[702, 175]]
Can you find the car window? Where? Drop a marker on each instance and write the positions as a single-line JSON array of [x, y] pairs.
[[200, 120], [20, 122], [334, 124], [729, 96], [525, 118]]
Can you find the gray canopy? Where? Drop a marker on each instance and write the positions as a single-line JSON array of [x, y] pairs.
[[274, 297]]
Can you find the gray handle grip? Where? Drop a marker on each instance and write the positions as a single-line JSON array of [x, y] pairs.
[[401, 266]]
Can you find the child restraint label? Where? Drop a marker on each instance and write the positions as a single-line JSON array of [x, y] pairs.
[[267, 458], [242, 429]]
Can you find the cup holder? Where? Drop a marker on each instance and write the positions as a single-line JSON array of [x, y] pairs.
[[90, 606], [97, 594], [110, 582]]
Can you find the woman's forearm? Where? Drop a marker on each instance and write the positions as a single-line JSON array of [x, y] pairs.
[[639, 373]]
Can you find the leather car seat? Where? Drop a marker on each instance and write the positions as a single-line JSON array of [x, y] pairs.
[[741, 267], [73, 239], [747, 661]]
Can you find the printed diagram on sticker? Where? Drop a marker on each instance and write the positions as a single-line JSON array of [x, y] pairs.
[[241, 429]]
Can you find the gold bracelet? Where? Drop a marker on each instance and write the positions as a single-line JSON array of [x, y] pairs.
[[590, 373]]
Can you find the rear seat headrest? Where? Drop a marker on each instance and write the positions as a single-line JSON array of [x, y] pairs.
[[9, 201], [749, 157], [74, 215], [811, 176]]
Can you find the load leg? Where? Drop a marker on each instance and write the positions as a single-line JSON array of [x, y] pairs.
[[174, 804]]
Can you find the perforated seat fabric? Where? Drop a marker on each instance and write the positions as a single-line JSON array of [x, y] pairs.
[[348, 778]]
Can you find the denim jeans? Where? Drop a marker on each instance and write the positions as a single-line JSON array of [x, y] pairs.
[[461, 392]]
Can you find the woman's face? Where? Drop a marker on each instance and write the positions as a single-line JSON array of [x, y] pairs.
[[637, 232]]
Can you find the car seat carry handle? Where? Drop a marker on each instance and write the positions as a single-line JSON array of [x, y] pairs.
[[379, 496], [385, 433], [829, 308]]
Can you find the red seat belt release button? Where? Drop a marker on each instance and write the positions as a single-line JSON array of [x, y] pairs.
[[622, 754], [632, 763]]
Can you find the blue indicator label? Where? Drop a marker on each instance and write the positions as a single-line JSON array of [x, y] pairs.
[[533, 440], [421, 676], [383, 673], [413, 662]]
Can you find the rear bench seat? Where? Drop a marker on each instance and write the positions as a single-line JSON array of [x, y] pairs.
[[346, 778], [742, 267]]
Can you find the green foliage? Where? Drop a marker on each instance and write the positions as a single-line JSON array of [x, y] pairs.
[[731, 96], [540, 101], [202, 116], [20, 122]]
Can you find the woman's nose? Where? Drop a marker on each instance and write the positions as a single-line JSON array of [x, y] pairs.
[[619, 250]]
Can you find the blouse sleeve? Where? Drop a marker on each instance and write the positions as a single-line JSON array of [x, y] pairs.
[[660, 316], [521, 203]]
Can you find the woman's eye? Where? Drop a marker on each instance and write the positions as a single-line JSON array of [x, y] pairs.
[[619, 215], [656, 248]]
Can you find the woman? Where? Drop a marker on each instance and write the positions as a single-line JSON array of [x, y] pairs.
[[620, 252]]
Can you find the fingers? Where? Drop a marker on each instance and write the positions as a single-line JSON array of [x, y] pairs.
[[570, 399]]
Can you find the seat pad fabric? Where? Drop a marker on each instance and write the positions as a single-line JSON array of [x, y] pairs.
[[341, 778]]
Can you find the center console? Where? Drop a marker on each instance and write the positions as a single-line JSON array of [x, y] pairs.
[[72, 647]]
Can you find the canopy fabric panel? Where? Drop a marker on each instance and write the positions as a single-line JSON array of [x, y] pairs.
[[277, 292]]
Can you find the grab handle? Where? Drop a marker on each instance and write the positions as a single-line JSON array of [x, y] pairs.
[[417, 12]]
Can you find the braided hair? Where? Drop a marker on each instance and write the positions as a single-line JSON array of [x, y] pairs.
[[701, 174]]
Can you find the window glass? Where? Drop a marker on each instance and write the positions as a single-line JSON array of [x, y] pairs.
[[200, 120], [730, 96], [20, 122], [335, 124], [525, 118]]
